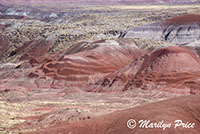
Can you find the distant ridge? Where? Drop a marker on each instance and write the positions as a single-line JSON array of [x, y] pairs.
[[102, 2], [181, 30]]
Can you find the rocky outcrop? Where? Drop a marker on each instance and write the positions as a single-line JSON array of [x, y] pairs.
[[172, 69], [180, 30], [166, 112]]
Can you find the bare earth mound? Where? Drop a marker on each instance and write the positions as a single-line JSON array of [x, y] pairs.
[[172, 69], [84, 64]]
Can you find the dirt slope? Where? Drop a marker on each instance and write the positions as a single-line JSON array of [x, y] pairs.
[[116, 123]]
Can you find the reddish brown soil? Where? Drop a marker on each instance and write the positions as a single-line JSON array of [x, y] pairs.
[[38, 49], [3, 44], [183, 19], [116, 123], [34, 53], [30, 118], [1, 26], [44, 109], [195, 50], [172, 69]]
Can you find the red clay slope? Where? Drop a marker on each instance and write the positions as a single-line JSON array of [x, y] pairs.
[[185, 108], [35, 51], [85, 63], [172, 69]]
